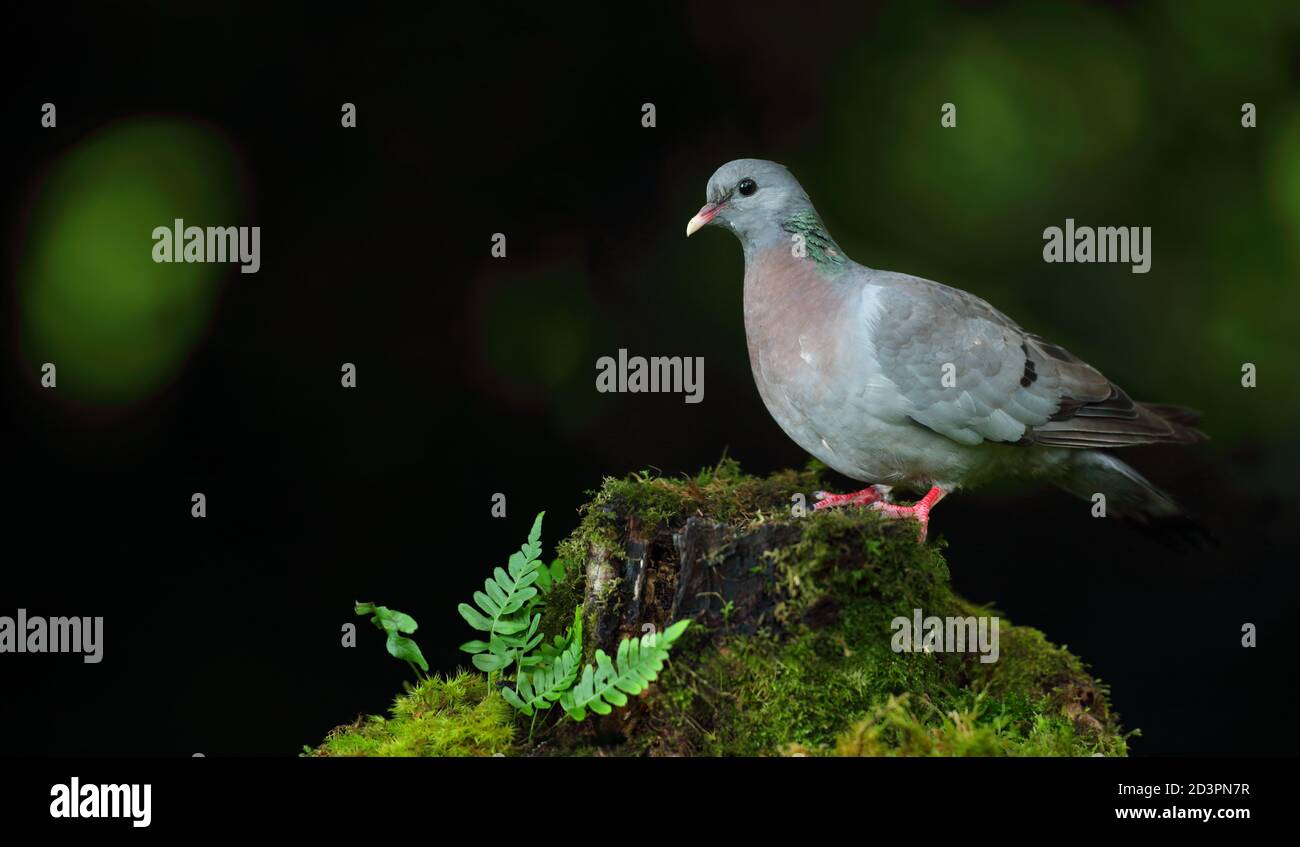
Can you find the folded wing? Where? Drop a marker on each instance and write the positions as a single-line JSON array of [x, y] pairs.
[[967, 371]]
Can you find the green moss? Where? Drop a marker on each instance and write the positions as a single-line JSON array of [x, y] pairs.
[[722, 493], [457, 715], [802, 686], [564, 597], [894, 728], [818, 677]]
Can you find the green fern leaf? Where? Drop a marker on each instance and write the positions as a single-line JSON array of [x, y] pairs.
[[547, 577], [553, 676], [510, 647], [397, 625], [504, 608], [609, 682], [474, 618], [545, 686], [490, 662], [547, 653], [535, 534]]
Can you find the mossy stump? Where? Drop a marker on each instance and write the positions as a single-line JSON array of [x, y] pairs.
[[791, 650]]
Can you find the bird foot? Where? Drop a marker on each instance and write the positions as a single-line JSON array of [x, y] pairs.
[[920, 510], [865, 497]]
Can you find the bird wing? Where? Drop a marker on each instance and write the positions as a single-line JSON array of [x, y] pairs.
[[968, 372]]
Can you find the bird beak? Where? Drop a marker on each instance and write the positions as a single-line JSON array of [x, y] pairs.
[[705, 215]]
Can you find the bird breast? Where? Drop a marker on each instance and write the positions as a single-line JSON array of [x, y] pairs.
[[810, 355]]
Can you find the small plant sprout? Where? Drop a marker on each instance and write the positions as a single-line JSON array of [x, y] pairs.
[[398, 625], [728, 609]]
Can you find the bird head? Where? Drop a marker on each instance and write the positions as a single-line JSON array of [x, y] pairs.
[[749, 197]]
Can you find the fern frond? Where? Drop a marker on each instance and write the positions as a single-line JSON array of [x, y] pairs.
[[397, 625], [609, 682], [547, 685], [555, 674], [548, 653], [505, 608]]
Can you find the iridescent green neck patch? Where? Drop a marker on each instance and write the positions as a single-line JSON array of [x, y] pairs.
[[815, 241]]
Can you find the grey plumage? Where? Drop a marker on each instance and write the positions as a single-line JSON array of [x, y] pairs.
[[893, 379], [1015, 386]]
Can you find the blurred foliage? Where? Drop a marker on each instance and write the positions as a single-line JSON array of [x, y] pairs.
[[117, 325], [540, 333]]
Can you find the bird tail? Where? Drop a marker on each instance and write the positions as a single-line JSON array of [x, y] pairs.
[[1180, 415], [1128, 494], [1131, 496]]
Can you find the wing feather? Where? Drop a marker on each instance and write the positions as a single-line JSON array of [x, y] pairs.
[[967, 371]]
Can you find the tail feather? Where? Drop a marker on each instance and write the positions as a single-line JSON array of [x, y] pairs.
[[1131, 496], [1118, 422], [1128, 494], [1175, 414]]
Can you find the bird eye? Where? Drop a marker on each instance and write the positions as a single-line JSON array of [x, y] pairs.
[[746, 187]]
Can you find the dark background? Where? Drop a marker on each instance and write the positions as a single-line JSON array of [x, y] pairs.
[[476, 375]]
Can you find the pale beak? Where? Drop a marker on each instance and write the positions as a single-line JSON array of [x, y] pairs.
[[703, 217]]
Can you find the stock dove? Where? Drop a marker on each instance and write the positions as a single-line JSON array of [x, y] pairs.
[[895, 380]]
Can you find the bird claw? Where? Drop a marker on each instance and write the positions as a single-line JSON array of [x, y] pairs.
[[876, 497], [866, 497], [920, 510]]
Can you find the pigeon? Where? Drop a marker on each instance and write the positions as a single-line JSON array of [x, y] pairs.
[[893, 380]]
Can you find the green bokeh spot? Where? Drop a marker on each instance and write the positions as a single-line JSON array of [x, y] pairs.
[[117, 325], [556, 308], [543, 341]]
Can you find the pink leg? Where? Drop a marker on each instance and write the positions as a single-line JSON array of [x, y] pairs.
[[919, 510], [865, 497]]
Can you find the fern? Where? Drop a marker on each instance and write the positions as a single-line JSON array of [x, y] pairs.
[[396, 623], [505, 608], [546, 674], [556, 676], [608, 684], [547, 577]]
